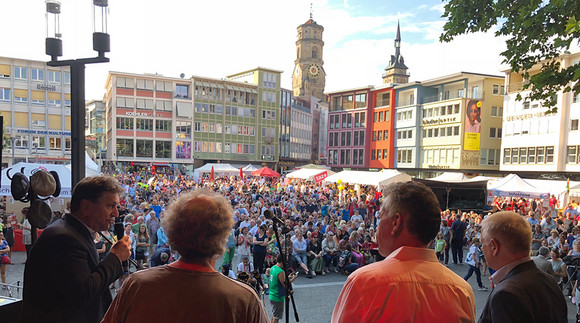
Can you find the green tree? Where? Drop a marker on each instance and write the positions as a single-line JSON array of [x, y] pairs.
[[537, 31]]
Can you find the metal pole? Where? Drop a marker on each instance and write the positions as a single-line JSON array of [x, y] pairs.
[[77, 122], [13, 139]]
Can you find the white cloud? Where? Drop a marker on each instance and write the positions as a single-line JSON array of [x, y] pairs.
[[217, 38]]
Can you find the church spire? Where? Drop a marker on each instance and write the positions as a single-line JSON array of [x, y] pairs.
[[398, 41], [311, 10]]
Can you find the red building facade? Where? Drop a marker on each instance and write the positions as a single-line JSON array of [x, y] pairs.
[[381, 129]]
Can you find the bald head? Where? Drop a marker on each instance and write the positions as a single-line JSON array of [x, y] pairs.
[[511, 229]]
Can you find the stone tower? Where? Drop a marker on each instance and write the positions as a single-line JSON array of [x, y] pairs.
[[309, 76], [396, 71]]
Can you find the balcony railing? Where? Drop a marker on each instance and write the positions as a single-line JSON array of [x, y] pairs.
[[383, 103], [515, 87], [454, 95], [404, 103]]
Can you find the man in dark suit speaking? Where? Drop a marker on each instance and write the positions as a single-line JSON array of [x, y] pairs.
[[64, 281], [521, 292]]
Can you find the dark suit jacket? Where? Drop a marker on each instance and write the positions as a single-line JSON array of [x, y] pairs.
[[63, 278], [528, 295]]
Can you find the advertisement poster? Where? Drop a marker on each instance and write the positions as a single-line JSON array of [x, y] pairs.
[[472, 125]]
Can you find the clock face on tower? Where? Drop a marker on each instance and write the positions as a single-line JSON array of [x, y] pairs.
[[313, 69]]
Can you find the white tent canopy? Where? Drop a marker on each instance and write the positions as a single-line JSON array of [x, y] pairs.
[[64, 176], [308, 173], [349, 176], [513, 185], [217, 168], [384, 178], [249, 168], [91, 168], [450, 177], [381, 179]]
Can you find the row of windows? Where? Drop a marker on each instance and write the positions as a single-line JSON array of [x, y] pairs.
[[381, 116], [377, 154], [347, 120], [36, 74], [214, 93], [143, 124], [405, 134], [533, 126], [441, 132], [498, 89], [440, 156], [40, 142], [380, 135], [404, 115], [404, 156], [441, 111], [496, 111], [528, 155], [345, 102], [490, 157], [345, 138], [36, 97], [345, 157], [148, 85]]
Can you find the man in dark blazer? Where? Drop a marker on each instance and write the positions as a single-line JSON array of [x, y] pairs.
[[64, 281], [521, 292]]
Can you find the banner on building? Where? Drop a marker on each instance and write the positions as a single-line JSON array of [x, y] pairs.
[[472, 135], [320, 177]]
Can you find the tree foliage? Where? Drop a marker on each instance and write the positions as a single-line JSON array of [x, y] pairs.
[[537, 31]]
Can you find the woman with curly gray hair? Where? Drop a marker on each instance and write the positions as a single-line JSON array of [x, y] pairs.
[[197, 225]]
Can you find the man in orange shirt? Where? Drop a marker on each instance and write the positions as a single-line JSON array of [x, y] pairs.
[[410, 284]]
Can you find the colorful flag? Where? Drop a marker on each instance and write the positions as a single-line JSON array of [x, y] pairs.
[[568, 185], [212, 175], [241, 173]]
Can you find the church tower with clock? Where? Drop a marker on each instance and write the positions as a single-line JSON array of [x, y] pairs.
[[396, 71], [308, 77]]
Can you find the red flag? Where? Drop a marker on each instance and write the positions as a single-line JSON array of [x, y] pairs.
[[212, 175], [241, 173]]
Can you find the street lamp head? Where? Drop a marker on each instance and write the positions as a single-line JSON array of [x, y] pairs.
[[101, 39], [53, 35]]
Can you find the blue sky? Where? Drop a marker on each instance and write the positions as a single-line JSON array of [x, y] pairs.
[[222, 37]]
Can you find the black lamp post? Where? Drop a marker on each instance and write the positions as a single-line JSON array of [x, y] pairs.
[[101, 44]]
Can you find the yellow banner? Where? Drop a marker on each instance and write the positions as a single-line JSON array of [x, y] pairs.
[[471, 141]]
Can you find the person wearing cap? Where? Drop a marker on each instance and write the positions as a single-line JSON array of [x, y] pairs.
[[197, 225], [410, 283]]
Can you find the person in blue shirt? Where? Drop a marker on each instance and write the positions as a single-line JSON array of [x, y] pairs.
[[532, 219]]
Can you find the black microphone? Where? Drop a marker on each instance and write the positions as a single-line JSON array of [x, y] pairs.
[[119, 231], [270, 216]]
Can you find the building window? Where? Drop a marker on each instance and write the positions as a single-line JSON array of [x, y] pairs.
[[54, 76], [5, 95], [37, 74], [144, 124], [550, 154], [380, 116], [124, 123], [515, 156], [494, 111], [20, 73], [540, 157], [183, 149], [125, 147], [385, 155], [380, 135], [163, 125], [375, 116], [523, 156], [356, 120], [331, 123], [456, 131], [379, 154], [526, 105], [374, 154], [182, 91], [574, 124], [360, 101], [496, 89], [386, 134], [507, 156], [374, 136], [144, 148], [492, 132], [531, 155], [163, 149], [183, 129], [363, 116]]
